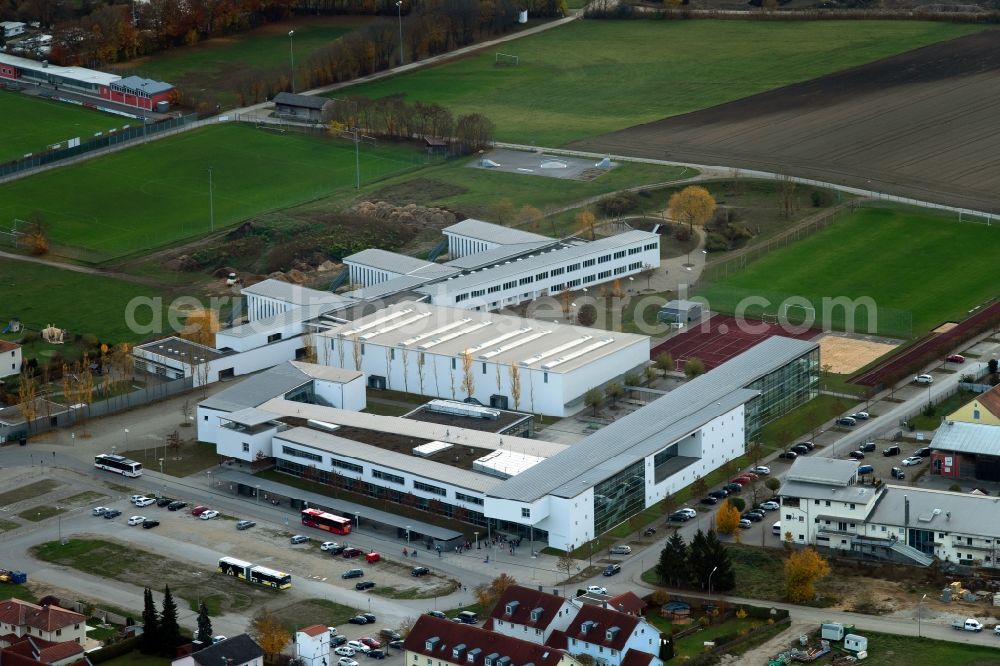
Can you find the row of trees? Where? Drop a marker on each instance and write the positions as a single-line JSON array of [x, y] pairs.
[[393, 117], [705, 560], [161, 634]]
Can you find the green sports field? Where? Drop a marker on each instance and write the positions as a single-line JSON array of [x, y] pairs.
[[158, 193], [928, 264], [215, 67], [593, 76], [32, 124]]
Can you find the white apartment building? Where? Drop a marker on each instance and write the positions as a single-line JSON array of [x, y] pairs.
[[500, 360], [10, 358], [476, 236]]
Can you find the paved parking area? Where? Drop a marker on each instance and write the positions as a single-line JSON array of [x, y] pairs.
[[539, 164]]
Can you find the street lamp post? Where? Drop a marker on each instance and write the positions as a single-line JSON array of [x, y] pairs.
[[291, 53], [357, 520], [919, 613], [714, 569], [399, 11], [125, 430], [407, 536], [257, 494], [477, 539]]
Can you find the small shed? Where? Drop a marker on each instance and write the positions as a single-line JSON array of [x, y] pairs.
[[12, 28], [300, 107], [855, 643], [680, 312], [435, 146], [832, 631]]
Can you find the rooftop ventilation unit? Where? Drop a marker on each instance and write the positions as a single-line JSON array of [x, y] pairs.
[[454, 334], [398, 324], [375, 322], [499, 338], [555, 350], [465, 409], [436, 331], [579, 352]]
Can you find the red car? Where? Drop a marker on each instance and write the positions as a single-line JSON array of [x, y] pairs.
[[371, 642], [198, 510], [956, 358], [352, 552], [751, 476], [373, 557], [742, 480]]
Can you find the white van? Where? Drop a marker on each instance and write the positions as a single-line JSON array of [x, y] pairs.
[[776, 528]]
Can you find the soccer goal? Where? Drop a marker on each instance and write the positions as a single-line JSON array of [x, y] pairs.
[[802, 313], [769, 318], [505, 60]]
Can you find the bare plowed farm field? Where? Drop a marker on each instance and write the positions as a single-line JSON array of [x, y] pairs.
[[923, 124]]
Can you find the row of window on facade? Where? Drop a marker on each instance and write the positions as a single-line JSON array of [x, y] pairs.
[[529, 279]]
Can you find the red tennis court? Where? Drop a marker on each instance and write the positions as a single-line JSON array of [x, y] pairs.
[[721, 337]]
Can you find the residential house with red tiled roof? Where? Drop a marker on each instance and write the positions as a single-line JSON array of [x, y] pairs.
[[32, 651], [10, 358], [627, 602], [312, 645], [530, 614], [609, 635], [436, 642], [49, 623]]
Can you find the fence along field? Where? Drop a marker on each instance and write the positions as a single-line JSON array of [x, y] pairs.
[[596, 76], [158, 193], [910, 262], [32, 124]]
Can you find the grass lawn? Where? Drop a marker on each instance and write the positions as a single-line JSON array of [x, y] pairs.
[[19, 591], [27, 492], [885, 254], [476, 192], [31, 124], [933, 420], [694, 644], [42, 295], [803, 420], [160, 190], [217, 65], [8, 525], [86, 497], [194, 457], [313, 611], [39, 513], [895, 650], [574, 79]]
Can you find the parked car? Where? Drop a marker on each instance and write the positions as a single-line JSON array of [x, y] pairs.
[[346, 661], [770, 506], [956, 358], [136, 520], [678, 517], [788, 455], [337, 640], [176, 506], [245, 524], [763, 470], [328, 545], [145, 501], [808, 445], [597, 589], [352, 573], [924, 452], [847, 421], [709, 500], [371, 642], [358, 646], [358, 619], [377, 654], [741, 481], [218, 639], [437, 613], [150, 524], [897, 473], [857, 455], [864, 470], [298, 538], [163, 501], [370, 617], [867, 447], [649, 531], [390, 635], [612, 569], [733, 488], [923, 379], [198, 510], [112, 513], [467, 617], [691, 513], [890, 451], [912, 460], [621, 550], [417, 572], [364, 585], [135, 498], [344, 651], [752, 516], [970, 624], [745, 524], [99, 510], [336, 550], [719, 494], [799, 449], [861, 416], [208, 515], [751, 475], [396, 645], [351, 552]]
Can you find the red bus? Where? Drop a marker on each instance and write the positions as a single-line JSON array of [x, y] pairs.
[[326, 521]]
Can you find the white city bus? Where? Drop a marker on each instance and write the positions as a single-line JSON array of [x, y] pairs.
[[118, 465]]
